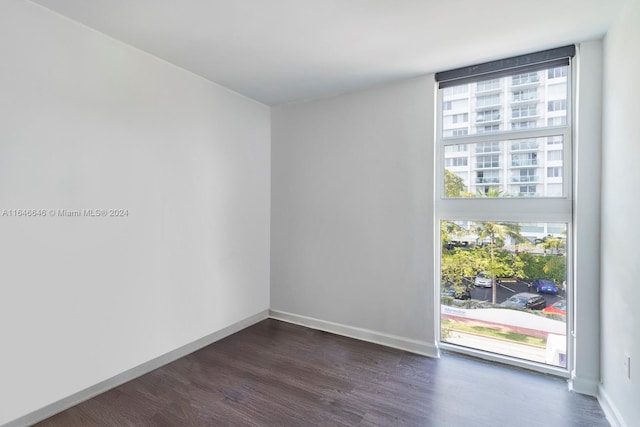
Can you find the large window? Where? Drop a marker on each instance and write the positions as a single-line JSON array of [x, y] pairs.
[[488, 85], [556, 73], [488, 116], [524, 125], [557, 121], [554, 172], [487, 100], [485, 162], [525, 95], [526, 175], [488, 176], [558, 105], [488, 147], [457, 90], [526, 78], [529, 110], [456, 161], [505, 217], [555, 155], [524, 159]]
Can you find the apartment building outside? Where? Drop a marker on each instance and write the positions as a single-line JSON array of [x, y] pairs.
[[530, 167]]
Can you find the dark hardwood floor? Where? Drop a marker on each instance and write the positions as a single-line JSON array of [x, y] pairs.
[[278, 374]]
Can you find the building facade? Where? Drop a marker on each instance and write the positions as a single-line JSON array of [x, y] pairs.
[[530, 167]]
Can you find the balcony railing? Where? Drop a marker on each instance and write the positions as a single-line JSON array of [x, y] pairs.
[[487, 165], [523, 98], [527, 162], [530, 178], [524, 114], [524, 80], [487, 86], [487, 129], [488, 180], [487, 150], [520, 146], [485, 103], [492, 118]]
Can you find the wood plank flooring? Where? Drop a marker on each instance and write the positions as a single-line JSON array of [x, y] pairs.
[[279, 374]]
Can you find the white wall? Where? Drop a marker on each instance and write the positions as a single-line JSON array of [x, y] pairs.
[[587, 143], [87, 122], [352, 213], [620, 206]]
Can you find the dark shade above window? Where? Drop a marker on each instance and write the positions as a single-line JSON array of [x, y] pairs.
[[518, 64]]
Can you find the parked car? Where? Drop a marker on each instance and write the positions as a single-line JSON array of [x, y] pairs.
[[558, 307], [545, 286], [483, 280], [525, 300], [461, 293], [456, 244]]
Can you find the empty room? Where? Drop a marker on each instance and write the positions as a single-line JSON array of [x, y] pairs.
[[319, 212]]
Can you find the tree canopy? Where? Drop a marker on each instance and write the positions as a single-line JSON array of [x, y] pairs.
[[459, 266], [453, 184]]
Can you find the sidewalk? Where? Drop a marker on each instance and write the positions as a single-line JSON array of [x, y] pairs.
[[509, 348], [506, 319]]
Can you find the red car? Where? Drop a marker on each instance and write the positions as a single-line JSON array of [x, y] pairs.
[[558, 307]]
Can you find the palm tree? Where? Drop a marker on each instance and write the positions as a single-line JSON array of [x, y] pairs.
[[553, 245], [495, 231], [493, 192]]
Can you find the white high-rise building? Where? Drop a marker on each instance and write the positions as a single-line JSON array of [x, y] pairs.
[[515, 167]]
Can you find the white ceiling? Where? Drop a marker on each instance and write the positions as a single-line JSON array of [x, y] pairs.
[[277, 51]]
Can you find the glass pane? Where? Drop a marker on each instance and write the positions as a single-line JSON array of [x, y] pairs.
[[504, 288], [531, 167], [522, 101]]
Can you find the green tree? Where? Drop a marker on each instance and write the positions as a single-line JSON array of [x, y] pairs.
[[508, 264], [533, 266], [459, 265], [553, 267], [553, 245], [495, 232], [493, 192], [449, 229], [453, 184]]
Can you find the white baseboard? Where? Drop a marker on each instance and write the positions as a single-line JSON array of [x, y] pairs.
[[610, 410], [106, 385], [584, 386], [414, 346]]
